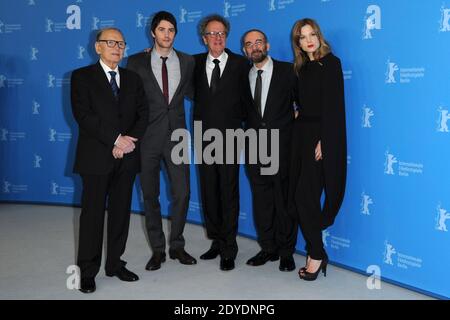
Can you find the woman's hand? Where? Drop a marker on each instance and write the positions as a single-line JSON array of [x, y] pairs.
[[318, 152]]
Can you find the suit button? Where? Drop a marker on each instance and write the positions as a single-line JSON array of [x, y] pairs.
[[263, 124]]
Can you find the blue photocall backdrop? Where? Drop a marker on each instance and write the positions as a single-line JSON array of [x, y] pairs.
[[395, 218]]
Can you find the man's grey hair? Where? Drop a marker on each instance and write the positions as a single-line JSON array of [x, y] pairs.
[[100, 32], [213, 17]]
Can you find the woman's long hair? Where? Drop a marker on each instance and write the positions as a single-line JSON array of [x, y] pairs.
[[300, 57]]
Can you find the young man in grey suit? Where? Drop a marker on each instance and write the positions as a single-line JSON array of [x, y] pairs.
[[167, 77]]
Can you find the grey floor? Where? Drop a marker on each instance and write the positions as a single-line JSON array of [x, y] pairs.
[[38, 244]]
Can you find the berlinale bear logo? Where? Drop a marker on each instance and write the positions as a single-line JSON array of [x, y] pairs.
[[367, 114], [445, 18], [444, 116], [441, 218], [388, 164], [183, 13], [388, 252]]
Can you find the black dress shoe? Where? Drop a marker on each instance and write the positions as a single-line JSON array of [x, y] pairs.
[[287, 263], [87, 285], [182, 256], [124, 275], [261, 258], [226, 264], [212, 253], [155, 261]]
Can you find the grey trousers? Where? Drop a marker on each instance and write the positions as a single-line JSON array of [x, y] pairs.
[[178, 178]]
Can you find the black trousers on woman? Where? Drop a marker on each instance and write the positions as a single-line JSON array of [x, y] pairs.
[[306, 184]]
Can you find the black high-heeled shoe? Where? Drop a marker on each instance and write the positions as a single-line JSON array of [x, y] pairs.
[[303, 269], [311, 276]]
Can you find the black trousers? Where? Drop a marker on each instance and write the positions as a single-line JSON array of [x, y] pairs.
[[275, 228], [114, 189], [220, 199], [306, 186]]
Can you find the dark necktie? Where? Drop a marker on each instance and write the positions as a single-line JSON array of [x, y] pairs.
[[215, 76], [113, 83], [165, 79], [257, 95]]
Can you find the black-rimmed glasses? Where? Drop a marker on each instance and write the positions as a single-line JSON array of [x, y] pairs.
[[113, 43]]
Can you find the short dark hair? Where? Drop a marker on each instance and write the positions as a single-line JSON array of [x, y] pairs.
[[213, 17], [100, 32], [163, 15], [253, 30]]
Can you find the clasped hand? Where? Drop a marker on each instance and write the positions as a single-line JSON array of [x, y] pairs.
[[123, 145]]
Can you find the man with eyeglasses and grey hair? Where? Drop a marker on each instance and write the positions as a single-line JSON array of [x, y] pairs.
[[109, 106], [219, 104]]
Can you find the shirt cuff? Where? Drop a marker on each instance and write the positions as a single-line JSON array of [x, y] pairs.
[[115, 142]]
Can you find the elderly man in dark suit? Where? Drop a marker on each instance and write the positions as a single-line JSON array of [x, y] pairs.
[[272, 94], [108, 103], [219, 91], [167, 77]]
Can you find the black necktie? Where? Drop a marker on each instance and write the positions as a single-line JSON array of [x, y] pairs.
[[215, 76], [165, 79], [257, 95], [113, 83]]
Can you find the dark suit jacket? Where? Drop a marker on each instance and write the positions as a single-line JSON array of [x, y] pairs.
[[101, 118], [163, 118], [226, 108], [279, 111]]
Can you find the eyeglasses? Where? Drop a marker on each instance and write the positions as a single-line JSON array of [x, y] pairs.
[[220, 34], [257, 43], [113, 43]]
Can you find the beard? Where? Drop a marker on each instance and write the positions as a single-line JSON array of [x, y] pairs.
[[258, 56]]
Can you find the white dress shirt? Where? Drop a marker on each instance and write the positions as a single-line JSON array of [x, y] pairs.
[[266, 76], [107, 69], [223, 58]]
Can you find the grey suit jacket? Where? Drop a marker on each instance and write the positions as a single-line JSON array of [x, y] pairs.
[[163, 117]]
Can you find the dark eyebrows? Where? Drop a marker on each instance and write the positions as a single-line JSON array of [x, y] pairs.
[[262, 40], [164, 28]]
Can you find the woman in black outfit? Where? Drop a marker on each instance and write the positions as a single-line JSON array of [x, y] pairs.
[[319, 150]]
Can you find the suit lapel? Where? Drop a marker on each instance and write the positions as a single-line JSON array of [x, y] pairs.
[[182, 73], [123, 83], [203, 76], [271, 94]]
